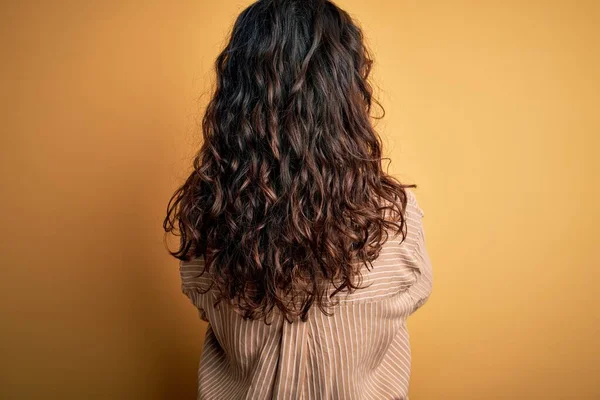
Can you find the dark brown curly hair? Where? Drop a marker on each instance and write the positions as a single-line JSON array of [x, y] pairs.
[[288, 194]]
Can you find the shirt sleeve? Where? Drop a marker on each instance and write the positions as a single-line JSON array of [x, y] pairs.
[[193, 283], [421, 290]]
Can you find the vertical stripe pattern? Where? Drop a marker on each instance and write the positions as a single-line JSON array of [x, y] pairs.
[[360, 352]]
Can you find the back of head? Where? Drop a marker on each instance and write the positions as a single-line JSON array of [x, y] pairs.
[[288, 190]]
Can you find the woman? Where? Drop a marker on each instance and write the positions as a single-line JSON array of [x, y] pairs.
[[301, 253]]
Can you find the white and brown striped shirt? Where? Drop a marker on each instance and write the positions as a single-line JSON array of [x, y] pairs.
[[360, 352]]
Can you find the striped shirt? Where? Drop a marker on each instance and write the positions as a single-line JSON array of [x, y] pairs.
[[360, 352]]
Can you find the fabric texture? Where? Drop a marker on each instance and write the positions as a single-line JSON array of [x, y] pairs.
[[360, 352]]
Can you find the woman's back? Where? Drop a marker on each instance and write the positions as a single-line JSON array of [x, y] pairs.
[[287, 202], [362, 351]]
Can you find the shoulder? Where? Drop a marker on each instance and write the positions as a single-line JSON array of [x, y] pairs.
[[412, 207], [194, 276], [412, 204]]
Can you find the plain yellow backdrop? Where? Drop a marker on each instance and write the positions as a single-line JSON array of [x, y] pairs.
[[491, 108]]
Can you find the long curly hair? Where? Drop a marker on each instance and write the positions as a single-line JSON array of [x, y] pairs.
[[288, 195]]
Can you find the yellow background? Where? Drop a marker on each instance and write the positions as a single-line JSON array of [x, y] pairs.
[[492, 109]]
